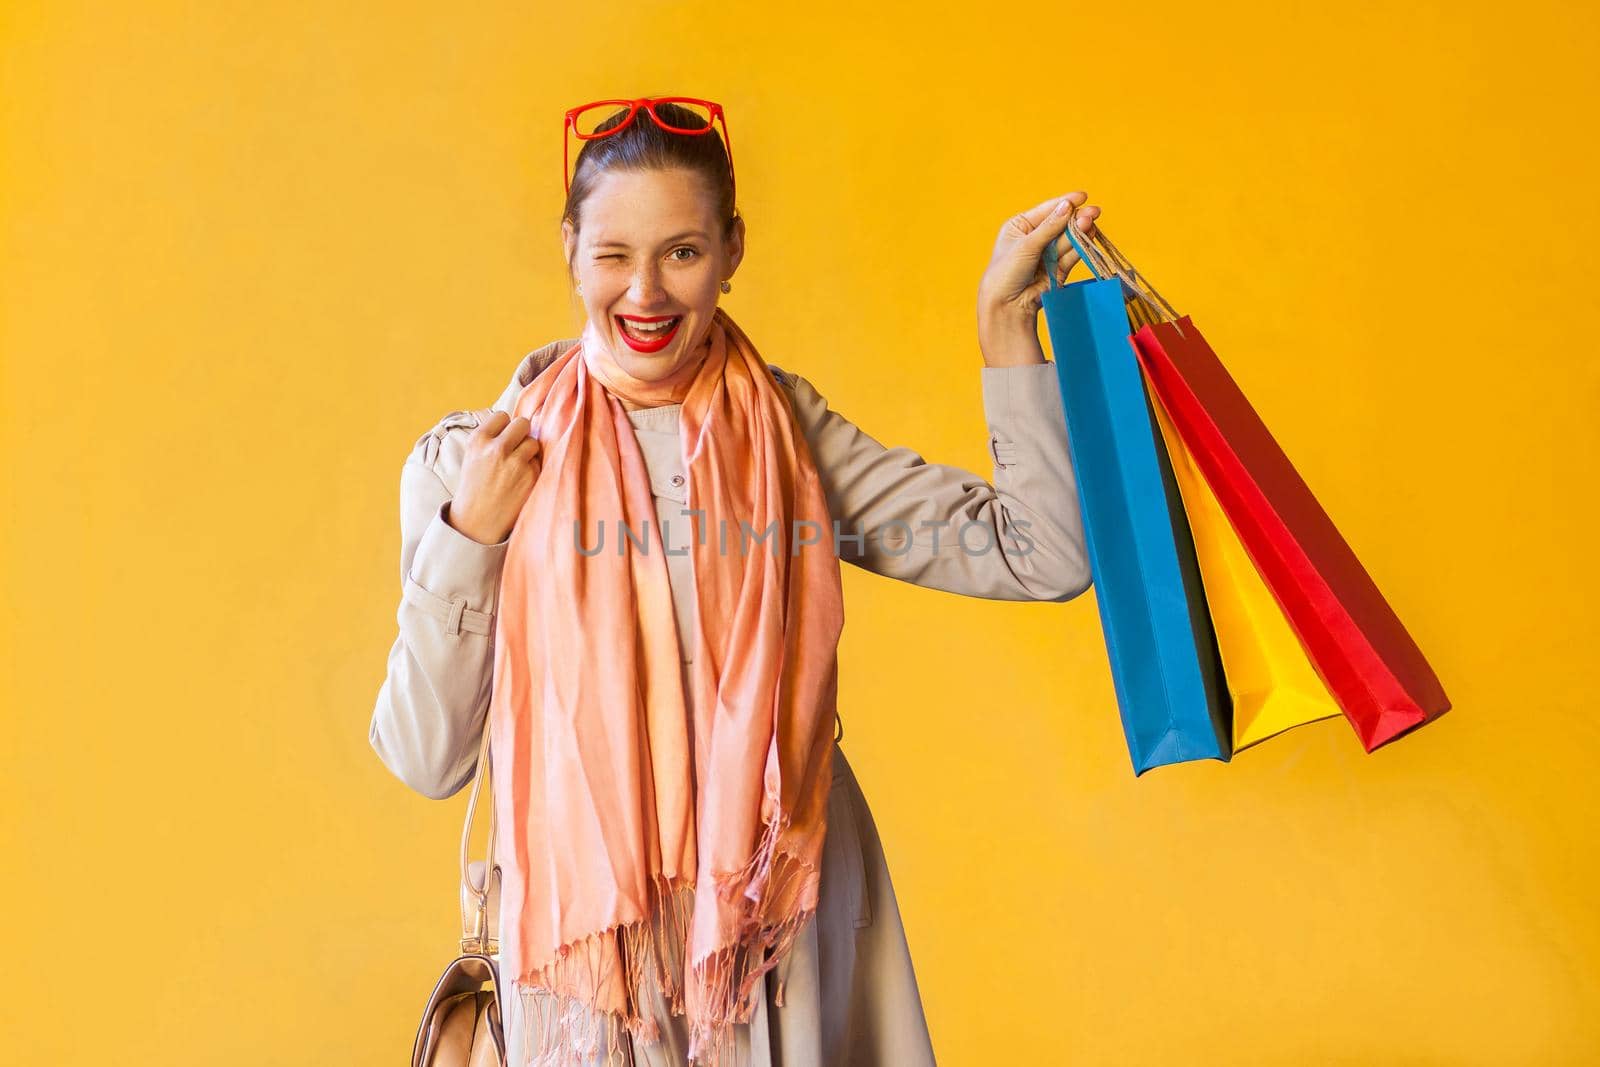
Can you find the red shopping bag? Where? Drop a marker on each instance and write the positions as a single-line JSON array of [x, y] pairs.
[[1356, 642]]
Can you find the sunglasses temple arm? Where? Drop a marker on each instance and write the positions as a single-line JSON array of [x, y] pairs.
[[727, 142]]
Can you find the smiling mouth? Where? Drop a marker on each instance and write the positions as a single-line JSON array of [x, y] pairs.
[[648, 340]]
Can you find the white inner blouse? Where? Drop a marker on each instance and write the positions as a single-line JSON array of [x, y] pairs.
[[657, 431]]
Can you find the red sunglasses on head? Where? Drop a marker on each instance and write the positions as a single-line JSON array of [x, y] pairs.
[[583, 121]]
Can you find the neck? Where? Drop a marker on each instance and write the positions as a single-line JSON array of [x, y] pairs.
[[635, 393]]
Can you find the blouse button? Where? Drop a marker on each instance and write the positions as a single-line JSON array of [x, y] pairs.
[[676, 479]]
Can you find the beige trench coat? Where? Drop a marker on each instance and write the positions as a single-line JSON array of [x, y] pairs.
[[850, 992]]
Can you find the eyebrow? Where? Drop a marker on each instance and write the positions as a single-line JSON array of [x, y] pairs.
[[669, 240]]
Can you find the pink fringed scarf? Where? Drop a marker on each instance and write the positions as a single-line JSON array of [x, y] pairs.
[[626, 859]]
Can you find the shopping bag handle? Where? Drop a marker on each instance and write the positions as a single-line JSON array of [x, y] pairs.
[[1104, 260], [1052, 258], [1091, 256]]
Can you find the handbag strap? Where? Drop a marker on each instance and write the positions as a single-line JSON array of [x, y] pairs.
[[475, 923]]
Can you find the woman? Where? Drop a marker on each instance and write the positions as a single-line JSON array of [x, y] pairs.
[[632, 928]]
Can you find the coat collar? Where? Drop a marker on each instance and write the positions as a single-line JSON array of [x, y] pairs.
[[528, 369]]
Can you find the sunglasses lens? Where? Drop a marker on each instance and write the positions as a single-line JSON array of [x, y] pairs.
[[677, 116], [597, 118], [683, 117]]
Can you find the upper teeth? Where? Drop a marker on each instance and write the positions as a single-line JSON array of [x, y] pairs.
[[649, 325]]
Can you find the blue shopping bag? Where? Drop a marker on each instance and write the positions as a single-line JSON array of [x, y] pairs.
[[1164, 660]]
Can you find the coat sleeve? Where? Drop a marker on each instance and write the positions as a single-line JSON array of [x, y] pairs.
[[431, 708], [1017, 538]]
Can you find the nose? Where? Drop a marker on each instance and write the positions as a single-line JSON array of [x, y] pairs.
[[646, 288]]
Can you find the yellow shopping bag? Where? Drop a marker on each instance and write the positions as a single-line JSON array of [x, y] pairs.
[[1271, 679]]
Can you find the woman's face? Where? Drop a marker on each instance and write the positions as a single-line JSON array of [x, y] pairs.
[[651, 247]]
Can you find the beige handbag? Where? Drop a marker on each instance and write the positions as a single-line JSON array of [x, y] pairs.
[[461, 1026]]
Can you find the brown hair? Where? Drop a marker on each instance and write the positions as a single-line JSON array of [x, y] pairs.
[[644, 146]]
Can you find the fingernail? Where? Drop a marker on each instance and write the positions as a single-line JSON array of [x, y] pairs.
[[1061, 205]]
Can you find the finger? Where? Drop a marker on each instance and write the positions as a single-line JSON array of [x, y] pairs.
[[1086, 220], [527, 450], [1064, 270], [514, 432], [1066, 259], [1067, 256], [1053, 226], [491, 426], [517, 426], [1030, 220]]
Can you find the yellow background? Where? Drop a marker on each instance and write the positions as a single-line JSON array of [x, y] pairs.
[[251, 251]]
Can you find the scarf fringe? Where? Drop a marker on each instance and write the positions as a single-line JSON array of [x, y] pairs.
[[726, 979], [562, 1028], [570, 1028]]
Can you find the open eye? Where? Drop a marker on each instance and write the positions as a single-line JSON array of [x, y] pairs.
[[686, 248]]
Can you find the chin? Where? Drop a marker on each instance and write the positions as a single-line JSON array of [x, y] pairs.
[[652, 367], [645, 368]]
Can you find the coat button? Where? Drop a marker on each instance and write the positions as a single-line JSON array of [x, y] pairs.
[[676, 479]]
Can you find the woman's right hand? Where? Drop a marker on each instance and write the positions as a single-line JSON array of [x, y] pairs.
[[1012, 289], [497, 475]]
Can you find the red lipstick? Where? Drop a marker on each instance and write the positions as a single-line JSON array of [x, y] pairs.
[[661, 339]]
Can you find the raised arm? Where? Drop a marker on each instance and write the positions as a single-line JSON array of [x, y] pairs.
[[1018, 538], [430, 710]]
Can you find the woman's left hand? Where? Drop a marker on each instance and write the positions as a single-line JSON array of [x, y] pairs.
[[1012, 288]]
